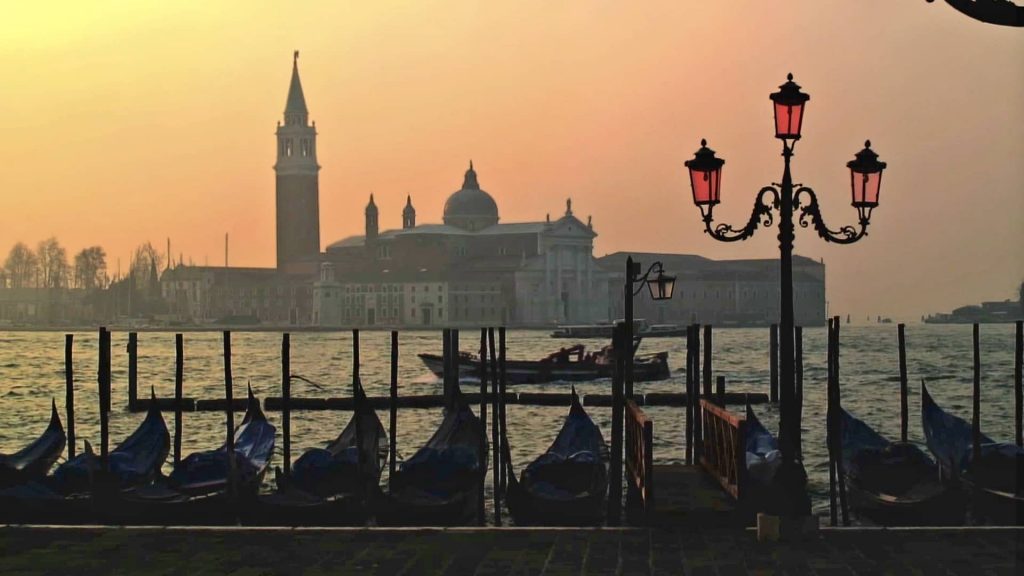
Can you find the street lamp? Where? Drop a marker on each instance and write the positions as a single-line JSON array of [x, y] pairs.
[[786, 197], [660, 286]]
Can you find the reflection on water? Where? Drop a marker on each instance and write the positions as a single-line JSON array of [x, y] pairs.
[[32, 370]]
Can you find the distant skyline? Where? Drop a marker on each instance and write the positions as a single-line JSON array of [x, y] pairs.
[[127, 123]]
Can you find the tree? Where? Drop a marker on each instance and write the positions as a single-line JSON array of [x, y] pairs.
[[53, 263], [91, 268], [21, 266], [146, 262]]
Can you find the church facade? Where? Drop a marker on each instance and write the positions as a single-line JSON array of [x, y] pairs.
[[469, 270]]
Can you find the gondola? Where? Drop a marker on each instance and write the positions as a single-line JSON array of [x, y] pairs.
[[81, 490], [894, 483], [134, 462], [572, 364], [198, 490], [769, 486], [994, 480], [329, 486], [567, 485], [34, 461], [440, 484]]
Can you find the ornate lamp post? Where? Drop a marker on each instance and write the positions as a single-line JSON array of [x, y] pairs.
[[661, 287], [786, 197]]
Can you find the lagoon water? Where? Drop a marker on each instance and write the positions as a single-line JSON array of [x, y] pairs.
[[32, 372]]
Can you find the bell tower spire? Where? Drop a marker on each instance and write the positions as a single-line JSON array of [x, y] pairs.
[[298, 186]]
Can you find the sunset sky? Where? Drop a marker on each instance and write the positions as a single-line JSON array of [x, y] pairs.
[[133, 121]]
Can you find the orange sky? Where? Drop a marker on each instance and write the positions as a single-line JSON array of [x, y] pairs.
[[129, 122]]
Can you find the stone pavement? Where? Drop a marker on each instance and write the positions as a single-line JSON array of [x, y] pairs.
[[195, 551]]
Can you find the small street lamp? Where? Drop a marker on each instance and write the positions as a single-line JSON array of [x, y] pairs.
[[660, 286], [786, 197]]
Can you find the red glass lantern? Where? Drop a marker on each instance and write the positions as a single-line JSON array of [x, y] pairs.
[[789, 110], [705, 178], [865, 180]]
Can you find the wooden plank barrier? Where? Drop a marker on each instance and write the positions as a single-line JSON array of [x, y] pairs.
[[639, 447], [724, 456]]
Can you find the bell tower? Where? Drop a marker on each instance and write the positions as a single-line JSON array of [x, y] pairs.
[[298, 184]]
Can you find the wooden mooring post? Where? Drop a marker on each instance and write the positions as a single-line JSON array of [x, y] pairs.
[[690, 375], [104, 394], [707, 361], [720, 391], [393, 407], [773, 361], [286, 401], [837, 430], [502, 385], [698, 433], [482, 520], [902, 345], [69, 390], [229, 411], [830, 416], [615, 474], [976, 394], [133, 369], [357, 384], [179, 376], [497, 461], [1018, 382]]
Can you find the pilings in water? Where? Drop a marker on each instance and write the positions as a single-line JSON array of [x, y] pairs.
[[720, 391], [837, 483], [708, 350], [69, 391], [483, 425], [497, 466]]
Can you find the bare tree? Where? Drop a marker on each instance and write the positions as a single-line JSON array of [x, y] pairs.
[[91, 268], [21, 266], [53, 263], [146, 261]]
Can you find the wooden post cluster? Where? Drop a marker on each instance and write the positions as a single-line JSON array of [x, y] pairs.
[[133, 368], [69, 390], [773, 364], [286, 401], [620, 345], [179, 375], [834, 431]]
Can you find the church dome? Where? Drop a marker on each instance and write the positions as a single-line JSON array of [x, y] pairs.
[[470, 208]]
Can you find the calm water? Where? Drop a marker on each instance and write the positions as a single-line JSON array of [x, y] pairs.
[[32, 368]]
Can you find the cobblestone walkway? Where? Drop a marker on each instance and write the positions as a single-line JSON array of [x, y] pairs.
[[83, 551]]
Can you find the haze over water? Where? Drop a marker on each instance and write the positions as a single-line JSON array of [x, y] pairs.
[[32, 370]]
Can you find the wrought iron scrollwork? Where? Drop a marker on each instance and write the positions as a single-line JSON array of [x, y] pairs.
[[761, 216], [810, 214]]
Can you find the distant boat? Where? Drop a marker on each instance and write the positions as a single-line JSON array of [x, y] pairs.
[[566, 365]]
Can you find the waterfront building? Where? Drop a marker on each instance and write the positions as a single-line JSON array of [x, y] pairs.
[[723, 292]]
